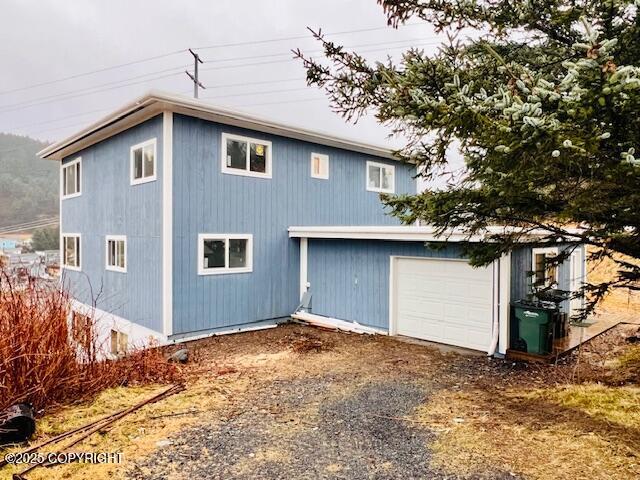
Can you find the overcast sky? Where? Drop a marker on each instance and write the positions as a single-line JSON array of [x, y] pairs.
[[42, 41]]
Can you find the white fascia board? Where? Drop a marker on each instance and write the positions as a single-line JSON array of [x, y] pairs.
[[154, 102], [403, 233]]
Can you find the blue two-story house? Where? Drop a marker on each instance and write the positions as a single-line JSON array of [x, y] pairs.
[[180, 220]]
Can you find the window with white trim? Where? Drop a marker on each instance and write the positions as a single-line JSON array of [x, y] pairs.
[[71, 176], [116, 253], [143, 162], [71, 251], [320, 166], [381, 177], [246, 156], [545, 272], [223, 253]]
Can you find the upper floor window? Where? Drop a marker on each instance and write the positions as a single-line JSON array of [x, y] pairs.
[[319, 166], [224, 253], [381, 177], [143, 162], [116, 254], [246, 156], [71, 175], [71, 251]]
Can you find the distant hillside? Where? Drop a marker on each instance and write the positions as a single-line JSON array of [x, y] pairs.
[[28, 184]]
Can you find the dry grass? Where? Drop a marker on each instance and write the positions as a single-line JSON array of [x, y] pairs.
[[621, 299], [137, 434], [580, 432], [486, 417]]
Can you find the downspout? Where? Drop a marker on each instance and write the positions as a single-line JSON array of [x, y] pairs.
[[496, 310]]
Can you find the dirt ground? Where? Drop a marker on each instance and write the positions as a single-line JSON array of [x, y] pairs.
[[299, 402]]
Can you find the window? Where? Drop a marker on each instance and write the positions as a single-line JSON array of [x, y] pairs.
[[116, 254], [71, 175], [545, 274], [71, 251], [320, 166], [81, 330], [143, 162], [246, 156], [380, 177], [119, 343], [219, 254]]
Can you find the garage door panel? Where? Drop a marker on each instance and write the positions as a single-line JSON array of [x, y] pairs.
[[444, 301]]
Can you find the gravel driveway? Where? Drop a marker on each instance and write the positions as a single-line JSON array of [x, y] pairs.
[[335, 421]]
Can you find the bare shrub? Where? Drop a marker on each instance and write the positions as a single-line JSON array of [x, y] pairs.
[[46, 360]]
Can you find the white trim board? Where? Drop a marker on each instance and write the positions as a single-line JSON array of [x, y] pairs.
[[401, 233], [155, 101], [167, 223]]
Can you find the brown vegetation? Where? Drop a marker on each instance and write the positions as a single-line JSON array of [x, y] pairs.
[[46, 361]]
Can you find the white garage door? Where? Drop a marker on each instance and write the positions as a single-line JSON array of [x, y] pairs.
[[444, 301]]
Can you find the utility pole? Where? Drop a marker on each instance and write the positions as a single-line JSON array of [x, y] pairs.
[[194, 77]]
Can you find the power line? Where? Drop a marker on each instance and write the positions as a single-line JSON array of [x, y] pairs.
[[99, 70], [212, 87], [262, 92], [29, 225], [22, 224], [34, 227], [75, 93], [298, 37], [164, 55], [99, 89], [408, 42], [269, 62], [29, 125]]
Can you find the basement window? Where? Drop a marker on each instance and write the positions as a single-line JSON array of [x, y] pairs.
[[119, 343], [320, 166], [380, 177], [71, 251], [82, 330], [143, 162], [116, 253], [220, 254], [545, 273], [246, 156], [71, 174]]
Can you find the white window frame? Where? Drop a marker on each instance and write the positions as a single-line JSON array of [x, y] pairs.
[[63, 167], [547, 251], [382, 166], [115, 238], [62, 248], [247, 172], [226, 269], [143, 179], [324, 158]]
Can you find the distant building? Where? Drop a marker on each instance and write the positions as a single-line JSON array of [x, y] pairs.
[[8, 244]]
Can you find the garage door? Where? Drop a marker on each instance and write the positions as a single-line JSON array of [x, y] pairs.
[[444, 301]]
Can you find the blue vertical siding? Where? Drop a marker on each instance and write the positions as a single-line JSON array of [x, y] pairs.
[[208, 201], [110, 205], [350, 278]]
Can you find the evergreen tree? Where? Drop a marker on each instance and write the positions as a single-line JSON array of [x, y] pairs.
[[545, 105]]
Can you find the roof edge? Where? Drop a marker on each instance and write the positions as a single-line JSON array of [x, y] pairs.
[[199, 108]]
